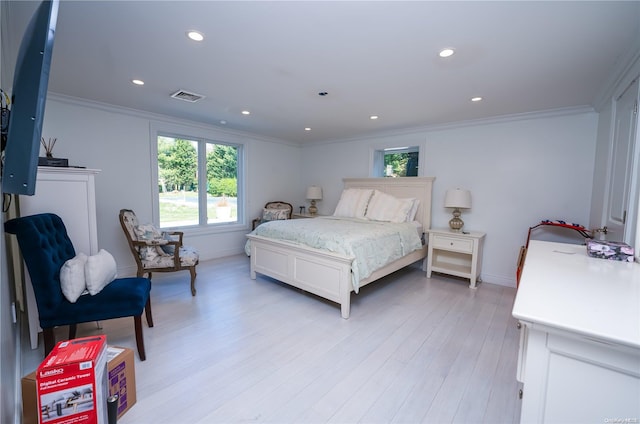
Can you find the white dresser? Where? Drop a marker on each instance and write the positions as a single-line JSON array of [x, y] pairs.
[[70, 194], [579, 358]]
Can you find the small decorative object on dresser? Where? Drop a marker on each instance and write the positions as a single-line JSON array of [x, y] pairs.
[[49, 160], [314, 193], [457, 199]]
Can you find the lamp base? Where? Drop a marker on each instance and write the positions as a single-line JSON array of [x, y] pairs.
[[312, 208], [456, 223]]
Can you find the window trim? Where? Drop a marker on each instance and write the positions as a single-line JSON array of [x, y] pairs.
[[198, 134], [377, 155]]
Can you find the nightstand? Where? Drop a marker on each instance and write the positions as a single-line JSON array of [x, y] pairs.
[[303, 215], [455, 253]]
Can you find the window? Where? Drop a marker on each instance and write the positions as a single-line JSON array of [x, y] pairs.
[[396, 162], [198, 181]]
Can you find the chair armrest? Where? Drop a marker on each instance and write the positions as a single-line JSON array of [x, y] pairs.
[[163, 242], [180, 235]]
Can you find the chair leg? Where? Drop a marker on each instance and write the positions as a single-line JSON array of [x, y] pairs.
[[192, 270], [139, 338], [49, 340], [141, 273], [72, 331], [147, 310]]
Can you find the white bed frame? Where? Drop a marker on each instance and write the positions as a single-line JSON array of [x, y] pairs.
[[328, 274]]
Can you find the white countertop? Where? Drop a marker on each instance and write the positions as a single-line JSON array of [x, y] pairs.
[[562, 287]]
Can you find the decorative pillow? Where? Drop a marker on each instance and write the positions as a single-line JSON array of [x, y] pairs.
[[99, 271], [148, 232], [353, 203], [385, 207], [72, 280], [274, 214], [168, 248]]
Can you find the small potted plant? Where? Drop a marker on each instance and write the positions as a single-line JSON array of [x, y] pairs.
[[223, 209]]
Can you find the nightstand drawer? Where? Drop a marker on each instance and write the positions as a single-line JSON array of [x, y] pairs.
[[453, 243]]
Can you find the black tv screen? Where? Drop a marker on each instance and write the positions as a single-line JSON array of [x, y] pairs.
[[29, 95]]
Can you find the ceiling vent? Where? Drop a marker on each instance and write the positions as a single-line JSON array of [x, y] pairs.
[[187, 96]]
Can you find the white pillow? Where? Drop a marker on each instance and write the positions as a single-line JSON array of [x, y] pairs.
[[385, 207], [411, 216], [72, 280], [353, 203], [99, 271]]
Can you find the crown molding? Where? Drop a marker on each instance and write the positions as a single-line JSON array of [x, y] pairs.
[[543, 114], [150, 116]]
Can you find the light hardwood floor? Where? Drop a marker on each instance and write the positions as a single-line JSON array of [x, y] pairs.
[[242, 350]]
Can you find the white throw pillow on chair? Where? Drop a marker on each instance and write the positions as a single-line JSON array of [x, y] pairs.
[[72, 281], [99, 271]]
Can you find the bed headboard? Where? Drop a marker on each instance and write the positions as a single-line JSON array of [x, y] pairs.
[[402, 187]]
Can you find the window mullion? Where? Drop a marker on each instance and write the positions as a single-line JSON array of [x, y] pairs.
[[202, 181]]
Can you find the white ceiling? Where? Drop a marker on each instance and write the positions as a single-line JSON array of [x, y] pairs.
[[372, 57]]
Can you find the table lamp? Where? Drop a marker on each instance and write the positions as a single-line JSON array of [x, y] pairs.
[[314, 193], [457, 199]]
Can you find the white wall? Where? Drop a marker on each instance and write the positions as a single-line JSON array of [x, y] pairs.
[[519, 173], [117, 142]]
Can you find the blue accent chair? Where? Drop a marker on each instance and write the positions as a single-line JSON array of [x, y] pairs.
[[45, 247]]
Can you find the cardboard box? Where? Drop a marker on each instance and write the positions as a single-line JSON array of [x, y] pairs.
[[71, 383], [29, 402], [121, 376]]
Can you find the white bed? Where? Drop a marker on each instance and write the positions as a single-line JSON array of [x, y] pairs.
[[328, 274]]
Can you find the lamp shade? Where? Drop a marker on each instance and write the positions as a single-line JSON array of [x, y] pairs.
[[314, 193], [457, 198]]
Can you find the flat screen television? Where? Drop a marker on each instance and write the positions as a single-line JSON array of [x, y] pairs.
[[29, 95]]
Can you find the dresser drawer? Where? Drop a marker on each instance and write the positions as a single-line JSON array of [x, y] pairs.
[[453, 243]]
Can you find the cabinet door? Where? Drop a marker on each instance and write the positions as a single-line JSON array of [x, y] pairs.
[[622, 189]]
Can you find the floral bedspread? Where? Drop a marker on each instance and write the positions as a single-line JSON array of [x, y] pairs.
[[372, 244]]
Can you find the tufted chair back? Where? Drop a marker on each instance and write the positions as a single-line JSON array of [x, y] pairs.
[[46, 247]]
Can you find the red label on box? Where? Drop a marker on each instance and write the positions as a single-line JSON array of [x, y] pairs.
[[72, 383]]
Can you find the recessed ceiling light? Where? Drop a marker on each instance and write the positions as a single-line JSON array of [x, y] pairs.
[[307, 129], [446, 52], [137, 82], [476, 99], [195, 35], [373, 117], [246, 112]]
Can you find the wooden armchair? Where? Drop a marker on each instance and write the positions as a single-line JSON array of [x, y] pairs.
[[273, 211], [156, 251]]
